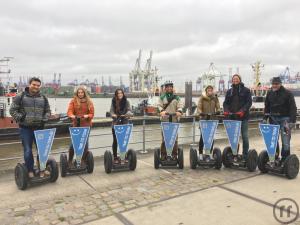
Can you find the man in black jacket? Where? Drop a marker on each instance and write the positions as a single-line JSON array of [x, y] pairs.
[[280, 104], [30, 109], [238, 100]]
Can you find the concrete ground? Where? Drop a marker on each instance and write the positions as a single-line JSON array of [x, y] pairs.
[[149, 196]]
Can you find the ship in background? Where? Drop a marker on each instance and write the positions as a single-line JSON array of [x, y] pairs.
[[8, 90], [291, 82]]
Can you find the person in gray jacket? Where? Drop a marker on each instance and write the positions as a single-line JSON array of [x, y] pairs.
[[30, 109]]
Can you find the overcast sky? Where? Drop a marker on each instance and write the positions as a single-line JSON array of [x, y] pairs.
[[102, 37]]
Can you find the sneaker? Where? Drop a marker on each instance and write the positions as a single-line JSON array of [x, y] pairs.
[[201, 157], [174, 157], [31, 175], [116, 160], [42, 174]]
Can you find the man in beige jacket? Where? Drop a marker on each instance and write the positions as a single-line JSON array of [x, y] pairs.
[[169, 103]]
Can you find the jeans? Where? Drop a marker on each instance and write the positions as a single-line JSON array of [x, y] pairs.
[[245, 138], [285, 136], [201, 145], [71, 151], [27, 137]]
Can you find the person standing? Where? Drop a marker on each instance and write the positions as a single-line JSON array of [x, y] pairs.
[[238, 101], [120, 111], [30, 109], [280, 105], [208, 103], [169, 103], [81, 111]]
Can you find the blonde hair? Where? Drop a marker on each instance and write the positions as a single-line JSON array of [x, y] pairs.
[[86, 96]]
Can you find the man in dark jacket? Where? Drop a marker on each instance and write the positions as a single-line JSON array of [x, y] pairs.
[[238, 100], [280, 104], [30, 109]]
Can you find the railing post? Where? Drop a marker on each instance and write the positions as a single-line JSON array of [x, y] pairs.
[[194, 130], [144, 136]]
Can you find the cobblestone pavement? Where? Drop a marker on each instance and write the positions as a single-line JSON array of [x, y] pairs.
[[88, 197]]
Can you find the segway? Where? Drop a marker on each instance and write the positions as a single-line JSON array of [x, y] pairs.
[[210, 158], [170, 131], [79, 136], [269, 160], [231, 157], [126, 159], [43, 140]]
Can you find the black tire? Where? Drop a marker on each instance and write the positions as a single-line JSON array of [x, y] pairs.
[[89, 162], [193, 158], [63, 164], [180, 158], [21, 176], [53, 168], [156, 158], [132, 159], [252, 160], [291, 166], [217, 155], [263, 159], [227, 157], [108, 161]]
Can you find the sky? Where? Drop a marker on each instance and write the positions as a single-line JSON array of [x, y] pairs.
[[92, 38]]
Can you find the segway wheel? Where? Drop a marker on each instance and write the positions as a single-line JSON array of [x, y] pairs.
[[193, 158], [263, 159], [291, 166], [217, 155], [53, 168], [132, 159], [89, 162], [21, 176], [156, 158], [63, 164], [227, 157], [108, 160], [252, 160], [180, 158]]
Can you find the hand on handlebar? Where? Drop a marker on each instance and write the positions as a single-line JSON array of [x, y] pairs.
[[240, 114], [163, 113]]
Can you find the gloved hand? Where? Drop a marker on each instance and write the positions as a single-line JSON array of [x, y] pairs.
[[226, 113], [218, 113], [240, 114], [265, 119]]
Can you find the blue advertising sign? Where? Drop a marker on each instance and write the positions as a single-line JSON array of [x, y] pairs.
[[233, 130], [79, 137], [208, 131], [44, 141], [270, 133], [123, 133], [170, 131]]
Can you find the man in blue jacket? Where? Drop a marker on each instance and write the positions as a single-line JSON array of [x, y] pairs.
[[238, 100]]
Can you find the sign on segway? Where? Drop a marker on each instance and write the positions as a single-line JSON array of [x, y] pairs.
[[79, 137], [208, 130], [123, 133], [170, 131], [233, 130], [270, 133], [44, 141]]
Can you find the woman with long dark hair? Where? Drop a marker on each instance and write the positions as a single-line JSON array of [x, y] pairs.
[[120, 106]]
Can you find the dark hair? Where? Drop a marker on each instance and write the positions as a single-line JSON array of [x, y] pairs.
[[119, 105], [34, 79]]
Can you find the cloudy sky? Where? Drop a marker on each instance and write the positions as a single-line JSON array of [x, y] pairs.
[[92, 38]]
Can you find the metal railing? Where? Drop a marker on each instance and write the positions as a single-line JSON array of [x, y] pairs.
[[143, 130]]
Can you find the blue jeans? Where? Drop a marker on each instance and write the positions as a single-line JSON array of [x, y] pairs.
[[285, 136], [27, 137], [245, 138]]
